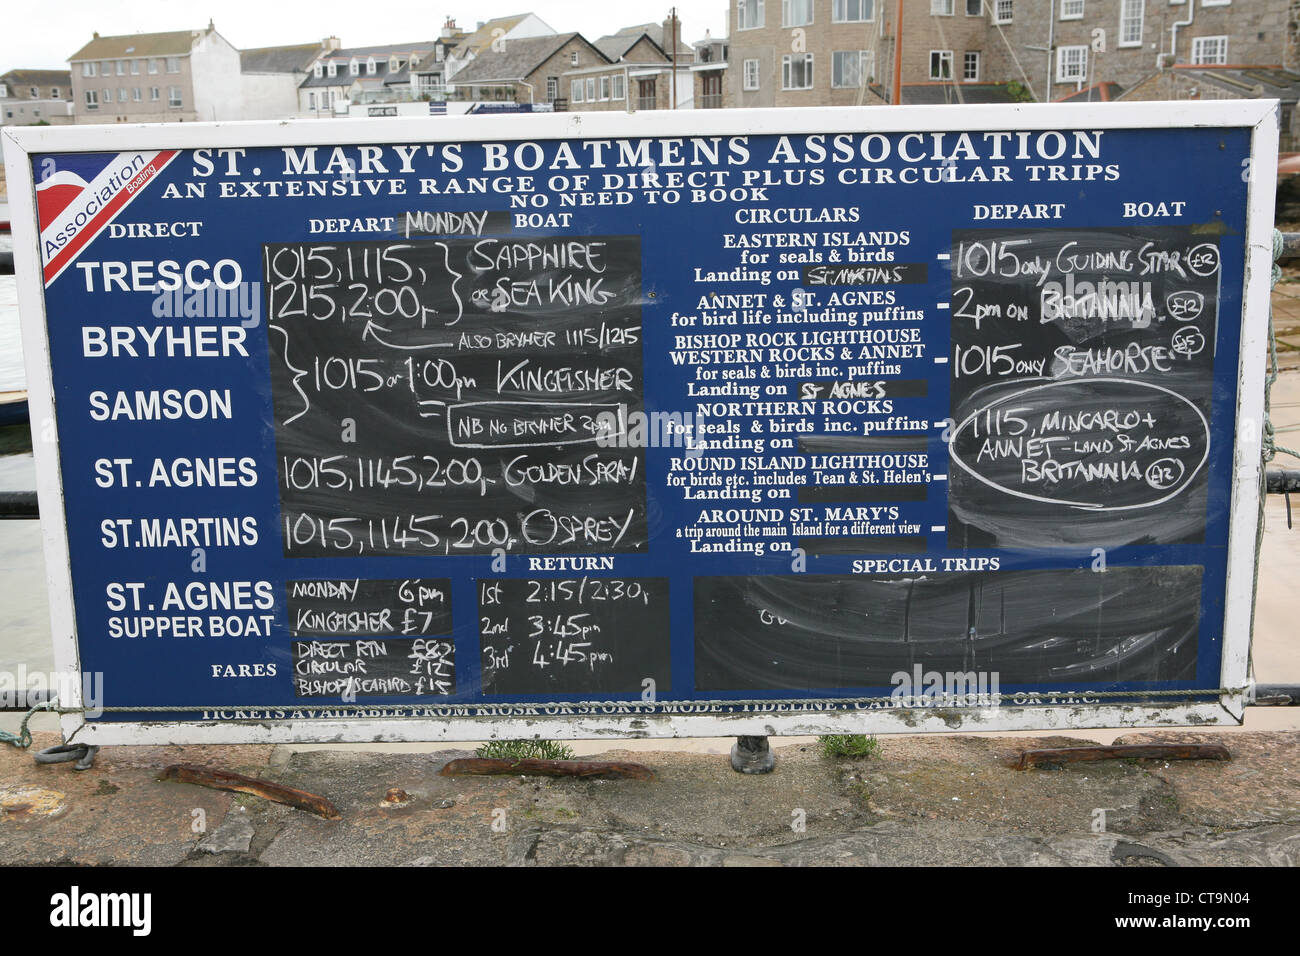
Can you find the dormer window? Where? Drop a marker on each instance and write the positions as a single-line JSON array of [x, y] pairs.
[[318, 70], [354, 68], [415, 61], [394, 64], [371, 67], [332, 69]]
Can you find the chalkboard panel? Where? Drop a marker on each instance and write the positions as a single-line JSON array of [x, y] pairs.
[[823, 632], [387, 667], [1082, 369], [444, 397], [574, 635], [353, 607]]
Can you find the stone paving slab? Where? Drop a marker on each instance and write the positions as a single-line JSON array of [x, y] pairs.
[[924, 800]]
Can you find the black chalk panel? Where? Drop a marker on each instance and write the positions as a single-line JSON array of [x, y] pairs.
[[1041, 626]]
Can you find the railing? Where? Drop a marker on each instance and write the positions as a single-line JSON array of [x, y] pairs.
[[710, 101], [646, 103], [403, 94]]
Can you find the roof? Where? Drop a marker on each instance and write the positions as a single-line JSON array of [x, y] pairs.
[[479, 40], [279, 59], [517, 60], [424, 49], [177, 43], [929, 94], [1248, 82], [1102, 92], [655, 31], [616, 45], [37, 78]]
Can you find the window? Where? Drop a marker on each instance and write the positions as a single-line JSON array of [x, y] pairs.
[[371, 66], [135, 67], [394, 64], [970, 65], [575, 91], [940, 8], [749, 14], [1215, 3], [354, 68], [1002, 11], [853, 11], [318, 70], [174, 97], [173, 64], [135, 95], [88, 69], [620, 91], [121, 94], [153, 66], [751, 74], [604, 87], [4, 91], [311, 101], [106, 68], [121, 67], [591, 89], [850, 68], [34, 92], [1210, 51], [153, 94], [974, 8], [941, 64], [1130, 23], [552, 89], [1071, 63], [92, 99], [796, 13], [1071, 9], [332, 69], [54, 92], [573, 58], [108, 96], [797, 71]]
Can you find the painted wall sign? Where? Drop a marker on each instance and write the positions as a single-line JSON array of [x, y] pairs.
[[697, 423]]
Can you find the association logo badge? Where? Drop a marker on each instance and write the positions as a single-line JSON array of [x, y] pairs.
[[78, 195]]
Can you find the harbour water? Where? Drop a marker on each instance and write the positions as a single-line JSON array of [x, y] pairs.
[[24, 610]]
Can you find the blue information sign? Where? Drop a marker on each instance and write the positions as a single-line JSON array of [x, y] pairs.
[[667, 424]]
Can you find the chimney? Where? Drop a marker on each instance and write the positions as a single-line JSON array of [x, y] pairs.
[[331, 43], [96, 35], [672, 35], [449, 28]]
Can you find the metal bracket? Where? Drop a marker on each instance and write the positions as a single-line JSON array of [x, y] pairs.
[[83, 754], [752, 755]]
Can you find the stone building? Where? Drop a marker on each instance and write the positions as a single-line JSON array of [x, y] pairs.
[[639, 74], [528, 70], [185, 75], [842, 52], [35, 96]]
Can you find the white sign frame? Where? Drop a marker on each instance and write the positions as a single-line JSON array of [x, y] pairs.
[[1260, 116]]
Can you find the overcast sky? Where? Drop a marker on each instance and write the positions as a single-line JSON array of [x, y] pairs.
[[44, 38]]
